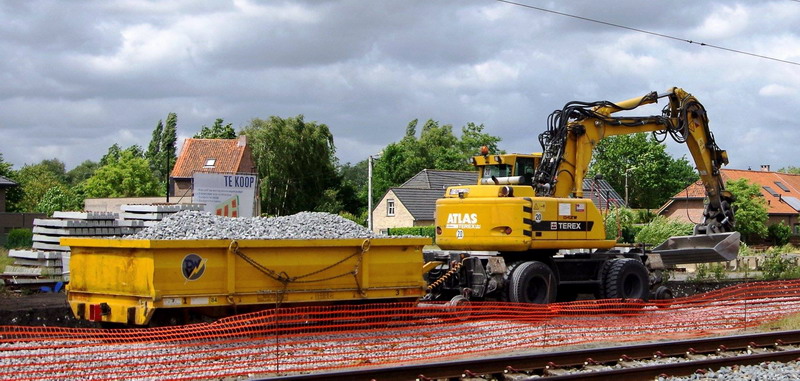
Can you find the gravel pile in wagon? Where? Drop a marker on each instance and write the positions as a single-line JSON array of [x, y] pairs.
[[304, 225]]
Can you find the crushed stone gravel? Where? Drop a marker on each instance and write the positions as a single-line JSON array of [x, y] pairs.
[[304, 225]]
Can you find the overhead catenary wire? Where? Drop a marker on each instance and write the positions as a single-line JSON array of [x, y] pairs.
[[662, 35]]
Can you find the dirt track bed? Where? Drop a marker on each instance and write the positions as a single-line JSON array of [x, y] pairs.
[[50, 309]]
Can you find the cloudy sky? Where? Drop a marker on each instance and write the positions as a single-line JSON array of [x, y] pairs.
[[79, 76]]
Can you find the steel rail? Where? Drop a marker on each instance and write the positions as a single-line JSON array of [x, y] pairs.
[[576, 358], [680, 368]]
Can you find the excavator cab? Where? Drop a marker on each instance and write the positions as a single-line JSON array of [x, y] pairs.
[[504, 169]]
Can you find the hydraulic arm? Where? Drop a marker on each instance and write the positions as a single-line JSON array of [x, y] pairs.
[[575, 130]]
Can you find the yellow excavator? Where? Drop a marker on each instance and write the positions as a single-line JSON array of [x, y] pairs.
[[525, 232]]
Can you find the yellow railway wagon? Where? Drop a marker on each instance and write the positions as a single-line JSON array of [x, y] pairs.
[[130, 281]]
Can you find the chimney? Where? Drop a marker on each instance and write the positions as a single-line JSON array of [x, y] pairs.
[[764, 167], [242, 141]]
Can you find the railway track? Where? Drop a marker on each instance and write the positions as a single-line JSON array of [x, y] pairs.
[[628, 362]]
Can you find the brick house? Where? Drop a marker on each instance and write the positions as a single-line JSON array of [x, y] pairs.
[[414, 202], [209, 155], [780, 190]]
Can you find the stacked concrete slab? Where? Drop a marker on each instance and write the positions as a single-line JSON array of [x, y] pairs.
[[151, 214], [48, 261]]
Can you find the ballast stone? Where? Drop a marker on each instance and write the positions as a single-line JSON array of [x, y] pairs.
[[303, 225]]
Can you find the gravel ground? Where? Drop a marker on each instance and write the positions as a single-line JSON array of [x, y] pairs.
[[231, 351], [771, 371]]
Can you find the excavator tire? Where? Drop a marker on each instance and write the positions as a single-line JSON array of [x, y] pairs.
[[531, 282], [626, 278], [601, 292]]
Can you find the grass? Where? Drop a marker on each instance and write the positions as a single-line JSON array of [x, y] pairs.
[[4, 259], [788, 323]]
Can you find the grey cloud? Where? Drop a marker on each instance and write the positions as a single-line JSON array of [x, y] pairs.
[[77, 77]]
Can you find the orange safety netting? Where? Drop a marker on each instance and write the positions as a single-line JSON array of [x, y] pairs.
[[294, 340]]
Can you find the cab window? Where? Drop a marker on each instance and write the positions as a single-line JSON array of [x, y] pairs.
[[525, 169], [499, 170]]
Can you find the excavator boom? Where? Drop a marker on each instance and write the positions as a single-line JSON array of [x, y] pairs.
[[575, 130]]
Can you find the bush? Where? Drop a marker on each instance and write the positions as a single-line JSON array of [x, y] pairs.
[[59, 198], [619, 221], [423, 231], [19, 238], [662, 228], [5, 260], [779, 233], [361, 220], [644, 216], [777, 267], [715, 271]]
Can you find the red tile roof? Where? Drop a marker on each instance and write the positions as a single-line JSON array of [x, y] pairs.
[[228, 154], [762, 178]]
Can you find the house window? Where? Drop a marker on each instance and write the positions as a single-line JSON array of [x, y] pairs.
[[782, 186], [390, 208], [210, 163]]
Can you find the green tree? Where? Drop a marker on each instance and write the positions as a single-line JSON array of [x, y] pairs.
[[153, 153], [59, 198], [779, 233], [82, 172], [296, 164], [436, 148], [750, 209], [619, 224], [161, 151], [13, 194], [661, 228], [473, 138], [790, 170], [56, 167], [35, 180], [217, 131], [439, 147], [395, 166], [112, 155], [354, 187], [169, 140], [129, 175], [653, 175], [6, 169]]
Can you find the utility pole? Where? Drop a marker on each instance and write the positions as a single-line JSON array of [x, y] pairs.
[[369, 193], [370, 161], [627, 171], [167, 170]]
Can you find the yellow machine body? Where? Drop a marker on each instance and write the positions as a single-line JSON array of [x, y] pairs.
[[502, 213], [519, 223], [535, 201], [126, 281]]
